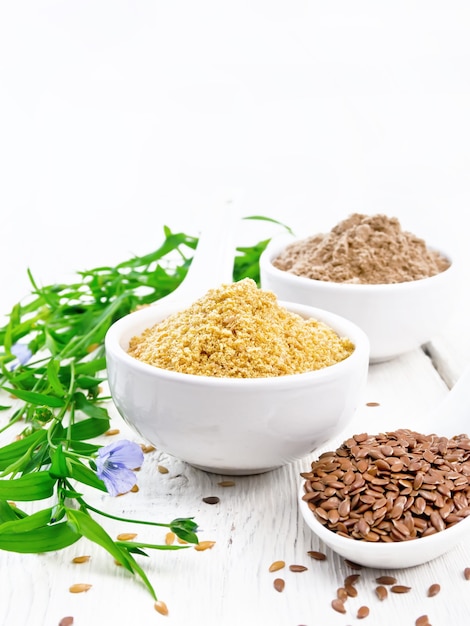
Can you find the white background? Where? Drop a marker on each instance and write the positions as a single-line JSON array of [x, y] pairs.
[[119, 117]]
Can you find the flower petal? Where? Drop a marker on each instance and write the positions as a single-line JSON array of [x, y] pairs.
[[118, 481], [114, 465], [22, 353], [123, 453]]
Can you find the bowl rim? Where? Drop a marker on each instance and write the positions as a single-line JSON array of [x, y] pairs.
[[138, 320], [372, 548], [277, 244]]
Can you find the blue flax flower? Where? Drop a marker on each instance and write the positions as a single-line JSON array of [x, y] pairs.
[[115, 464], [22, 353]]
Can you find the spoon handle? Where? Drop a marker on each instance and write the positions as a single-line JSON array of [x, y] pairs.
[[213, 258], [452, 415]]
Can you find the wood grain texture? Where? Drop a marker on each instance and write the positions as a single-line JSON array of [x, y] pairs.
[[255, 523]]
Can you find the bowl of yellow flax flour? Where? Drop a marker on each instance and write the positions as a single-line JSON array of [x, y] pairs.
[[236, 382]]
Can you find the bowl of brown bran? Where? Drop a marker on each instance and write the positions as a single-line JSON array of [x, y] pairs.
[[388, 281]]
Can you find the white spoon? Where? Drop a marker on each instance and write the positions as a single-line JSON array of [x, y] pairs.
[[213, 258], [451, 417]]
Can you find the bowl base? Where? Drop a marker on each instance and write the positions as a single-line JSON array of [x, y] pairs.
[[228, 471]]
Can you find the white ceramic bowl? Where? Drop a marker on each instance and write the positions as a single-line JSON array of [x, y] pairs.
[[233, 425], [396, 317], [397, 555]]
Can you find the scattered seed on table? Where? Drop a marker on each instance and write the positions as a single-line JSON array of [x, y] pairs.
[[81, 559], [147, 448], [363, 611], [226, 483], [372, 403], [79, 588], [466, 573], [66, 621], [318, 556], [161, 607], [111, 432], [279, 584], [423, 620], [351, 591], [400, 589], [381, 592], [338, 605], [126, 536], [134, 489], [386, 580], [204, 545], [162, 469], [351, 579], [277, 565], [434, 590], [342, 594], [170, 538], [298, 568], [211, 500]]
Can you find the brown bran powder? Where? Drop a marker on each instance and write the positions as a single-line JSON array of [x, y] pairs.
[[365, 250], [239, 331]]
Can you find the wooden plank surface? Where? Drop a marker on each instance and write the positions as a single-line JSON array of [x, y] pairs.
[[256, 522]]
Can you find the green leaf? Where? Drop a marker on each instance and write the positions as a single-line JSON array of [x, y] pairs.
[[53, 368], [15, 450], [27, 523], [269, 219], [83, 448], [59, 467], [185, 528], [85, 475], [40, 399], [90, 408], [30, 487], [8, 512], [91, 367], [88, 382], [89, 428], [44, 539], [89, 528]]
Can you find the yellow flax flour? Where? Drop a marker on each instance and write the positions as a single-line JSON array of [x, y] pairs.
[[240, 331]]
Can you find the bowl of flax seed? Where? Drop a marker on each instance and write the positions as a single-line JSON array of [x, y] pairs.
[[392, 500], [391, 283], [236, 382]]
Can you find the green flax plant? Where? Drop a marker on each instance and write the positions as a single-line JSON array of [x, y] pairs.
[[52, 369]]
